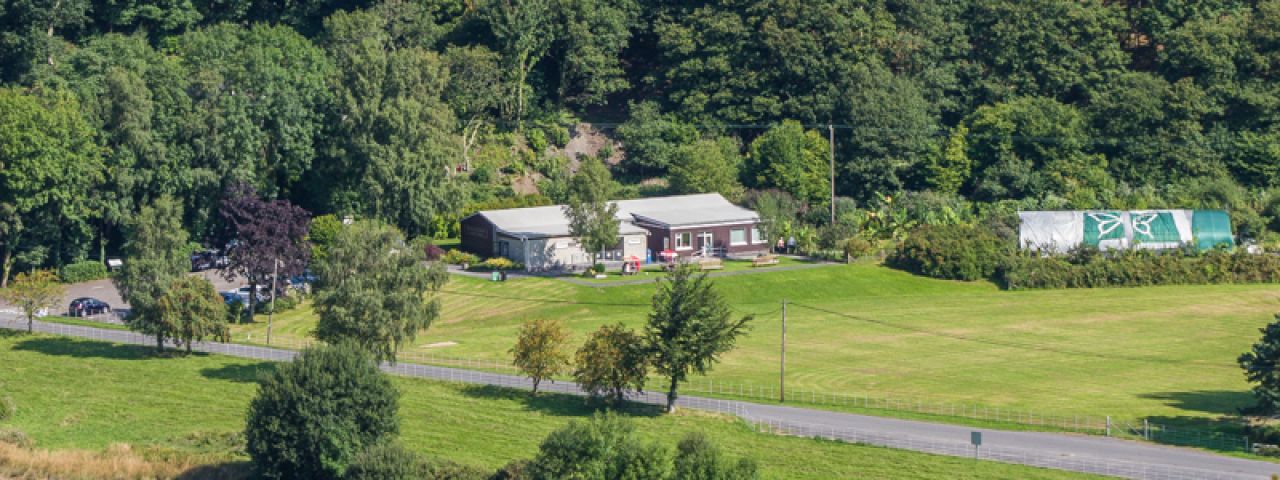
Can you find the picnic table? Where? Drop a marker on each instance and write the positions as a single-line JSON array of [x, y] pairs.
[[764, 260]]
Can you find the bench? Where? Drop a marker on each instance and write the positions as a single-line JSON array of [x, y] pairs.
[[764, 260], [710, 264]]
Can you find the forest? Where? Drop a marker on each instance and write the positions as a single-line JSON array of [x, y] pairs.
[[418, 112]]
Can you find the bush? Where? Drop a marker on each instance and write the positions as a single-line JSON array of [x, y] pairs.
[[496, 264], [957, 252], [313, 416], [1086, 268], [459, 257], [598, 268], [604, 446], [387, 461], [857, 247], [537, 141], [433, 251], [82, 271], [699, 459], [283, 303]]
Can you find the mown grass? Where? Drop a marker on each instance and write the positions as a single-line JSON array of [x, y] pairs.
[[1162, 352], [77, 394]]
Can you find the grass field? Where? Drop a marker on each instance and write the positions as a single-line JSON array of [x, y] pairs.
[[1162, 352], [76, 394]]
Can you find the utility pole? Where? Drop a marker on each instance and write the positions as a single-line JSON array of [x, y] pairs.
[[275, 272], [831, 151], [782, 372]]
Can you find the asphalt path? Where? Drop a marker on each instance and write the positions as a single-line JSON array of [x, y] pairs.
[[1083, 453]]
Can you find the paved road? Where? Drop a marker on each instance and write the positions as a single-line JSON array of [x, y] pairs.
[[1082, 453]]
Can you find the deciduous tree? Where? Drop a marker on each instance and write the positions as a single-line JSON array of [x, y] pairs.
[[155, 255], [32, 293], [375, 290], [193, 310], [612, 361], [708, 166], [541, 350], [592, 219], [690, 327], [793, 160], [264, 238], [604, 446]]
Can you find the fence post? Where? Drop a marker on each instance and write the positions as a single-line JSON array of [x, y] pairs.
[[1146, 429], [1108, 425]]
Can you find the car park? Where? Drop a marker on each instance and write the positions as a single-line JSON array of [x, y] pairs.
[[86, 306]]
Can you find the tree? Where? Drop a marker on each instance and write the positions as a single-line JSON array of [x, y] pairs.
[[589, 40], [689, 328], [374, 290], [593, 220], [312, 416], [32, 293], [474, 91], [949, 171], [778, 212], [193, 310], [265, 238], [653, 140], [699, 459], [540, 350], [612, 361], [708, 166], [1260, 367], [48, 166], [155, 256], [603, 447], [793, 160], [523, 29], [396, 140]]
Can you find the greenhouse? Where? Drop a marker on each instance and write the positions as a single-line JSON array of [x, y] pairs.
[[1061, 231]]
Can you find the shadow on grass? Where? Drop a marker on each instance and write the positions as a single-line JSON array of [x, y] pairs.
[[85, 349], [558, 404], [241, 373], [227, 470], [6, 333], [1220, 402]]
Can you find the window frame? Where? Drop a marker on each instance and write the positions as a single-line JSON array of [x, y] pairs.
[[683, 240], [743, 232]]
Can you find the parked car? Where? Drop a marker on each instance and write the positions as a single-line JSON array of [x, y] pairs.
[[230, 297], [264, 294], [85, 306], [201, 261], [302, 283]]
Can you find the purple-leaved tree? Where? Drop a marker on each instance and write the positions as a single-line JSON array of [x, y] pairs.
[[260, 233]]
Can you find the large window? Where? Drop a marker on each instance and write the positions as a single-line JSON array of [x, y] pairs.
[[738, 236], [684, 241], [755, 235]]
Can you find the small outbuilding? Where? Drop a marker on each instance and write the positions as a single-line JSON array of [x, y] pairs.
[[539, 238]]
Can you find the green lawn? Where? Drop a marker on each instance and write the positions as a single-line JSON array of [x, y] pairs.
[[653, 271], [81, 394], [1162, 352]]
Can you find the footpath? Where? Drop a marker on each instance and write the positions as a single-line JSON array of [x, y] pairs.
[[1079, 453]]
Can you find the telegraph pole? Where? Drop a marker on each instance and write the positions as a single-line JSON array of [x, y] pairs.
[[275, 271], [831, 151], [782, 372]]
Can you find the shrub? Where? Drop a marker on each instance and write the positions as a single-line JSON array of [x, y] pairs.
[[537, 141], [598, 268], [496, 264], [857, 247], [283, 303], [311, 417], [387, 461], [1086, 269], [957, 252], [8, 408], [699, 459], [603, 447], [82, 271], [433, 251], [459, 257]]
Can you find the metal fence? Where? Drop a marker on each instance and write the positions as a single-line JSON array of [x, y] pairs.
[[732, 407], [1140, 428]]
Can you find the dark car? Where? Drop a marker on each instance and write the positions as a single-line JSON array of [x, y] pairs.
[[230, 297], [85, 306]]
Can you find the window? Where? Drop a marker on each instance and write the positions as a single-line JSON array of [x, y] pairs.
[[755, 235], [684, 241], [738, 236]]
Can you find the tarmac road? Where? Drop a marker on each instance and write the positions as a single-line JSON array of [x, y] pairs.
[[1085, 453]]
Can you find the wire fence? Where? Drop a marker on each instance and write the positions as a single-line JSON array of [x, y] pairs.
[[759, 423], [1089, 424]]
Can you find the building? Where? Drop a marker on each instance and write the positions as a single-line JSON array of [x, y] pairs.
[[1062, 231], [704, 224]]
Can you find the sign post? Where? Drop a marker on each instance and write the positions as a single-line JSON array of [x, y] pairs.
[[976, 439]]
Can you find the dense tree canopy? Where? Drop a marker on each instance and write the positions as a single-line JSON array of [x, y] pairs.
[[415, 111]]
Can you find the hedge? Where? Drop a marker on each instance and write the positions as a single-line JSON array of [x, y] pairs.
[[954, 252], [83, 271]]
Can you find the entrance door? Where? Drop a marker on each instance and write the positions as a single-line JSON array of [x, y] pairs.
[[705, 243]]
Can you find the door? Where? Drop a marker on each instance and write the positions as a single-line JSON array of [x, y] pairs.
[[705, 243]]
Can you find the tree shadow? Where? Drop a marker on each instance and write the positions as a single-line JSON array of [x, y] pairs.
[[1220, 402], [240, 373], [6, 333], [559, 404], [67, 347], [240, 470]]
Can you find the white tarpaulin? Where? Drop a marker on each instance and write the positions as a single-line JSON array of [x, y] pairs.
[[1061, 231]]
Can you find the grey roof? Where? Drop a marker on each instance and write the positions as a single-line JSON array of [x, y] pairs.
[[540, 222], [682, 210], [673, 211]]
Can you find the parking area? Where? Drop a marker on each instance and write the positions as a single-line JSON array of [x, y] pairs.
[[106, 291]]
